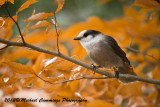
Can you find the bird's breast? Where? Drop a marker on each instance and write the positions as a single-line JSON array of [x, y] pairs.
[[103, 55]]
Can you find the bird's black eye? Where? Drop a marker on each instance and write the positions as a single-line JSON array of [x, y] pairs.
[[85, 35]]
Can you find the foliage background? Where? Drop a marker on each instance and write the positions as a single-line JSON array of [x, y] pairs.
[[125, 20]]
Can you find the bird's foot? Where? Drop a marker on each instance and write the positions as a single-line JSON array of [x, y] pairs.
[[116, 72], [94, 67]]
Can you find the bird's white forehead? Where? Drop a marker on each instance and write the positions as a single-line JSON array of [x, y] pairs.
[[81, 33]]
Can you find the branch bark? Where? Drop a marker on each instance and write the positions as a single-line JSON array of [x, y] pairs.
[[110, 75]]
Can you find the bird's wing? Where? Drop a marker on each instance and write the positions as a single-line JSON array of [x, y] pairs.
[[117, 49]]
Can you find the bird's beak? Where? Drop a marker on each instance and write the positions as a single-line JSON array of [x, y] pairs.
[[77, 38]]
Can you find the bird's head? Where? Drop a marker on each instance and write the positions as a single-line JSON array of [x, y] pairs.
[[87, 35]]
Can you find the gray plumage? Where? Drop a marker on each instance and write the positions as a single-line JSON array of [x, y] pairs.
[[104, 51]]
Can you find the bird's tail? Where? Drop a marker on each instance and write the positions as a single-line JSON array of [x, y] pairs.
[[126, 70]]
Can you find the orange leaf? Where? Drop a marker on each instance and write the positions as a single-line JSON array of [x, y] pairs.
[[26, 4], [60, 5], [39, 83], [38, 63], [39, 16], [39, 24], [19, 68], [2, 2], [8, 26]]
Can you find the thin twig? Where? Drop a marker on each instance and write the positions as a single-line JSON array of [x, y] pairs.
[[82, 78], [137, 51], [5, 7], [71, 79], [55, 25], [43, 79], [39, 49]]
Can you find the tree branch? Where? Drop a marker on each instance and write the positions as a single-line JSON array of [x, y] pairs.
[[5, 7], [55, 25], [127, 76], [82, 78], [137, 51]]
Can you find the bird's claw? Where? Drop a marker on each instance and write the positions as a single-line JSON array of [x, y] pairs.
[[94, 67]]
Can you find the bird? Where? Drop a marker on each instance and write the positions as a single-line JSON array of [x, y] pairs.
[[105, 52]]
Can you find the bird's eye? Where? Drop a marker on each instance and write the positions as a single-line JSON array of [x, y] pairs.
[[85, 35]]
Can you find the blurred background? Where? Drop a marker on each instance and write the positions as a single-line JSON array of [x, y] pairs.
[[132, 27], [72, 12]]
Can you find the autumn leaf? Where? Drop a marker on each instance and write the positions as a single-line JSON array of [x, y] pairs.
[[26, 4], [28, 70], [19, 68], [39, 24], [2, 2], [60, 5], [48, 27], [39, 16], [8, 26]]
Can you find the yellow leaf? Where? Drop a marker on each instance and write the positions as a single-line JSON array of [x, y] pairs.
[[8, 26], [60, 5], [39, 63], [39, 24], [152, 96], [100, 103], [39, 16], [2, 2], [26, 4], [39, 83], [19, 68]]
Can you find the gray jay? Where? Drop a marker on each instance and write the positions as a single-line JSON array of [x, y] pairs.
[[105, 52]]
